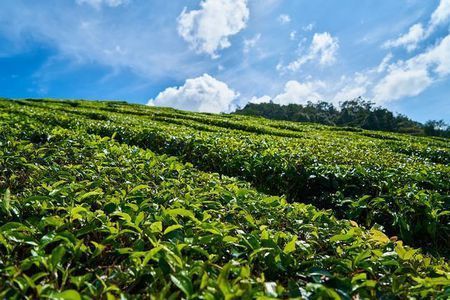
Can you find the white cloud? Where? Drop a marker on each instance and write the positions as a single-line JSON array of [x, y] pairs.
[[294, 92], [349, 93], [284, 19], [413, 76], [418, 32], [300, 93], [99, 3], [409, 40], [250, 43], [207, 30], [259, 100], [390, 81], [401, 83], [437, 57], [323, 49], [350, 87], [441, 14], [204, 93]]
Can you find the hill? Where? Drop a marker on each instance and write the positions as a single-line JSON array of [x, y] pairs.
[[356, 113], [110, 200]]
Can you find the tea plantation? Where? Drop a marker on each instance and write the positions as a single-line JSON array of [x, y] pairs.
[[109, 200]]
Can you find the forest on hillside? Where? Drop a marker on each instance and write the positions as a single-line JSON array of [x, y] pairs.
[[352, 113]]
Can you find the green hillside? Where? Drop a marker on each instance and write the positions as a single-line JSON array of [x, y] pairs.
[[110, 200]]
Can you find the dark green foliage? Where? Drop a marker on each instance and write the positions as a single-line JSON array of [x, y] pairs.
[[437, 128], [352, 113]]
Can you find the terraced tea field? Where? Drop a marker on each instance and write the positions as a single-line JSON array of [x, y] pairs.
[[110, 200]]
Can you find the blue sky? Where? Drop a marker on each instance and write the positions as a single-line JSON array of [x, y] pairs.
[[215, 55]]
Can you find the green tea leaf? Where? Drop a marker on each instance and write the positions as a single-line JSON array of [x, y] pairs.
[[172, 228], [183, 283], [67, 295], [290, 247], [156, 227]]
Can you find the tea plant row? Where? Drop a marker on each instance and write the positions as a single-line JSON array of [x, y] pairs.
[[359, 177], [84, 216]]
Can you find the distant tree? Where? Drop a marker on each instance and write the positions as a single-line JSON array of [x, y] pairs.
[[437, 128], [357, 112]]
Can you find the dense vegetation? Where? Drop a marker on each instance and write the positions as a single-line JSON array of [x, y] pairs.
[[92, 206], [341, 170], [354, 113]]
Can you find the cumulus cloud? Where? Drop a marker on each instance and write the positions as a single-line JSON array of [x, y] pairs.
[[413, 76], [410, 40], [204, 94], [284, 19], [299, 93], [394, 80], [390, 80], [323, 49], [401, 83], [99, 3], [295, 92], [208, 29], [348, 93], [259, 100], [351, 87]]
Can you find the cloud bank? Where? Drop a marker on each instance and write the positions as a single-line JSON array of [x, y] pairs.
[[413, 76]]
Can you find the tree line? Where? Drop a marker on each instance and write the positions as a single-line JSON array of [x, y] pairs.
[[353, 113]]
